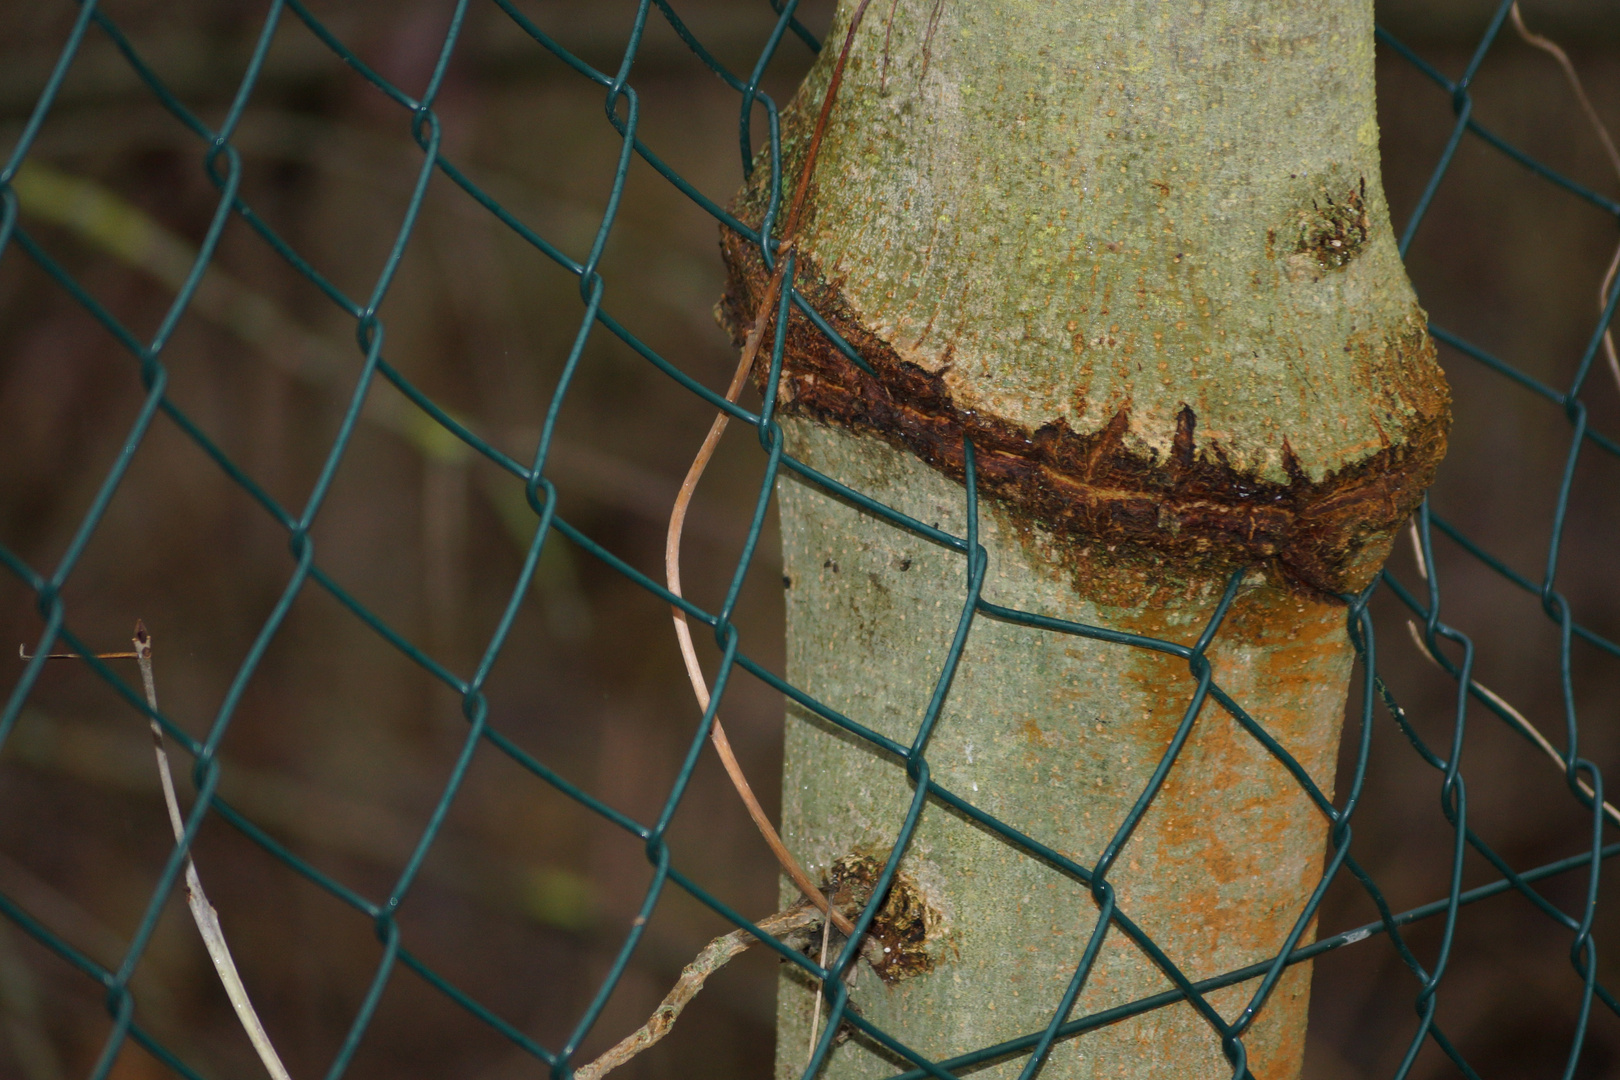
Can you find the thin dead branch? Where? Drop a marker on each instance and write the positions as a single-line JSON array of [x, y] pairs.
[[202, 912], [1551, 48], [795, 920]]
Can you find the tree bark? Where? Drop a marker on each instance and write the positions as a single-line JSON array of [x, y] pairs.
[[1139, 255]]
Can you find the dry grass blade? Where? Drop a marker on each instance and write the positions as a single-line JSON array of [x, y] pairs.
[[815, 1017], [683, 630], [1552, 48], [22, 651], [202, 912], [677, 517], [1517, 718]]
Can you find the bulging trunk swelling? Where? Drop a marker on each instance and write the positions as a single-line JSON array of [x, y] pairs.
[[1139, 254]]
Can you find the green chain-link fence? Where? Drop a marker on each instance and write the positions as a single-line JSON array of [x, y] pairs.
[[403, 959]]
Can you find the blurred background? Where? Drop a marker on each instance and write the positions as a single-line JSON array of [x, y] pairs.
[[341, 745]]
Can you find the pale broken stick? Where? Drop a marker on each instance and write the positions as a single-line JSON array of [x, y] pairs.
[[719, 952], [815, 1017], [202, 911]]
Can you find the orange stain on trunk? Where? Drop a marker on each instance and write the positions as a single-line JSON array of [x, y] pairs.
[[1226, 857]]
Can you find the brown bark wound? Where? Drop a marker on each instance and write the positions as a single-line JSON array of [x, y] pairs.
[[1330, 535]]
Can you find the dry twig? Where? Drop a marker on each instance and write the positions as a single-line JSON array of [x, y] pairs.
[[202, 912], [800, 917]]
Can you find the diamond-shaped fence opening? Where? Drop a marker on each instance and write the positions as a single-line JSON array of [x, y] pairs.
[[358, 352]]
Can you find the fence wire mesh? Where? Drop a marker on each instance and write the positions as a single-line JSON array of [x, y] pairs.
[[35, 195]]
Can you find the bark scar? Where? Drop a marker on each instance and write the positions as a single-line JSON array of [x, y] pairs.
[[1329, 535]]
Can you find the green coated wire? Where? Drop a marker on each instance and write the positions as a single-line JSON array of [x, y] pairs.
[[222, 165]]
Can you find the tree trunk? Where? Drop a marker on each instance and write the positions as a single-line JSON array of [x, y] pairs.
[[1139, 255]]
